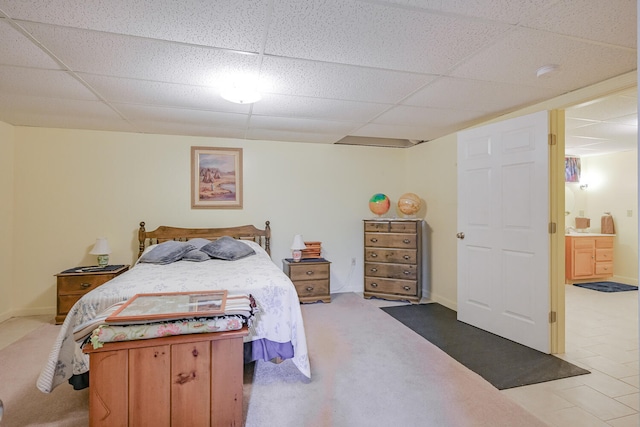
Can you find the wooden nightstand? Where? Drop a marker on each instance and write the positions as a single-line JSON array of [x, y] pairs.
[[310, 277], [74, 283]]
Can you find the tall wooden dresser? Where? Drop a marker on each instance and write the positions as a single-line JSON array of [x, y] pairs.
[[394, 258]]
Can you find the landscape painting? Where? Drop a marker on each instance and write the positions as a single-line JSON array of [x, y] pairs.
[[216, 178]]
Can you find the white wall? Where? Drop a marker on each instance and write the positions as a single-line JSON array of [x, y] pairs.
[[6, 219], [612, 187], [72, 186]]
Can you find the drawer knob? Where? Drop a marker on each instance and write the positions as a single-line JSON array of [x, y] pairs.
[[374, 255], [374, 270], [406, 288], [406, 273], [407, 241], [309, 288], [374, 240], [406, 257], [85, 285], [374, 285], [309, 273]]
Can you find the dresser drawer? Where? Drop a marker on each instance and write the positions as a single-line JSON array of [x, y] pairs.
[[388, 240], [403, 227], [308, 272], [312, 288], [398, 256], [65, 302], [391, 271], [390, 286], [80, 284], [604, 242], [377, 226]]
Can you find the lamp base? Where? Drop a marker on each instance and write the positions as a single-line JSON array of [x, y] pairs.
[[103, 260], [297, 256]]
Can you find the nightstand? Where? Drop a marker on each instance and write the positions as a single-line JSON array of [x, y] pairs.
[[310, 277], [72, 284]]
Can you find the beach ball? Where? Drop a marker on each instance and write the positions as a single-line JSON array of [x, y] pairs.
[[409, 204], [379, 204]]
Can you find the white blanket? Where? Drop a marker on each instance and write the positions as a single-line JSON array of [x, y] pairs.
[[279, 318]]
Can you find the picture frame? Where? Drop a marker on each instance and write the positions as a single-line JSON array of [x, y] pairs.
[[216, 178], [572, 169], [165, 306]]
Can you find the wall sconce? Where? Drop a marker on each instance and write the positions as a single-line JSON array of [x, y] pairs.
[[584, 186], [297, 246], [102, 250]]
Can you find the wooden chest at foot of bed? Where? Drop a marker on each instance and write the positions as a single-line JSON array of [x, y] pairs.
[[183, 380]]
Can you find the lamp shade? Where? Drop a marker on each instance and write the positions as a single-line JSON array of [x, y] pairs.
[[298, 243], [101, 247]]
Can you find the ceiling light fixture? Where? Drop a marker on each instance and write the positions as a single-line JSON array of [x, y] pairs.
[[547, 70], [241, 95]]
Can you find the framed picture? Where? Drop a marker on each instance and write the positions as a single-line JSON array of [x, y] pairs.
[[572, 169], [216, 178], [154, 307]]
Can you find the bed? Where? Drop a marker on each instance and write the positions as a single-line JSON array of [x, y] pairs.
[[276, 331]]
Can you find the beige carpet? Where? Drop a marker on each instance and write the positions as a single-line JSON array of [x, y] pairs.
[[367, 370]]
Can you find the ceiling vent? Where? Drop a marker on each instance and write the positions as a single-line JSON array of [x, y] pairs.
[[379, 142]]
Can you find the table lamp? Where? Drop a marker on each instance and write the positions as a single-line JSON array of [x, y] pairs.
[[101, 249], [297, 247]]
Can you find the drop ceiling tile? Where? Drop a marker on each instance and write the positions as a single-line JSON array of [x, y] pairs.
[[324, 80], [228, 24], [606, 108], [17, 49], [612, 21], [190, 129], [516, 58], [139, 113], [422, 116], [317, 108], [281, 135], [605, 130], [41, 82], [131, 91], [301, 125], [120, 56], [508, 11], [375, 35], [418, 132], [485, 96], [21, 110]]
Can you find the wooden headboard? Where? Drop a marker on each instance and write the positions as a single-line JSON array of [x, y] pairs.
[[243, 232]]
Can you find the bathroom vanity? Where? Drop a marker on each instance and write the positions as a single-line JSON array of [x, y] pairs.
[[588, 256]]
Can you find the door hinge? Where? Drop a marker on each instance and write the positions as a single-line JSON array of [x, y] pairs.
[[552, 139], [552, 228], [553, 317]]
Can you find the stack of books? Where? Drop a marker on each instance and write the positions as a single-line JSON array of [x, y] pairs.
[[313, 250]]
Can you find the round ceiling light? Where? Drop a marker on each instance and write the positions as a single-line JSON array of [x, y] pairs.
[[547, 70], [241, 95]]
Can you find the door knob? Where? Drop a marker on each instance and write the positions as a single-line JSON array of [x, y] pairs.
[[460, 235]]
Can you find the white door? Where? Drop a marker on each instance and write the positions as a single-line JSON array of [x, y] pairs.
[[503, 239]]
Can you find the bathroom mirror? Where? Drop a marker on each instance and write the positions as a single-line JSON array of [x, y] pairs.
[[569, 201]]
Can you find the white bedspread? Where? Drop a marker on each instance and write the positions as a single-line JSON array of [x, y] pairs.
[[279, 318]]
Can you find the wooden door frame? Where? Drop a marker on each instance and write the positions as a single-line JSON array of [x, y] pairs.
[[556, 216]]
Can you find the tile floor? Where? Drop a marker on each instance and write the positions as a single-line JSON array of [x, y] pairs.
[[602, 336]]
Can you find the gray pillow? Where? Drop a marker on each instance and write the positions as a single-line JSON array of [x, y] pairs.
[[167, 252], [199, 242], [227, 248], [196, 255]]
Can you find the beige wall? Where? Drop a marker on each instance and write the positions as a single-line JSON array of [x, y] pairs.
[[73, 186], [612, 181], [7, 288]]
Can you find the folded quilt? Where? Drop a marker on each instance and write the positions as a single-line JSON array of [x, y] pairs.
[[112, 333]]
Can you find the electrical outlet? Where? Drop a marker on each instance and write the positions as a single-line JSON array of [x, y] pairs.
[[353, 261], [581, 213], [629, 212]]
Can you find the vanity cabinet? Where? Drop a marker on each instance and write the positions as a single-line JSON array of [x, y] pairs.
[[588, 257], [394, 253]]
